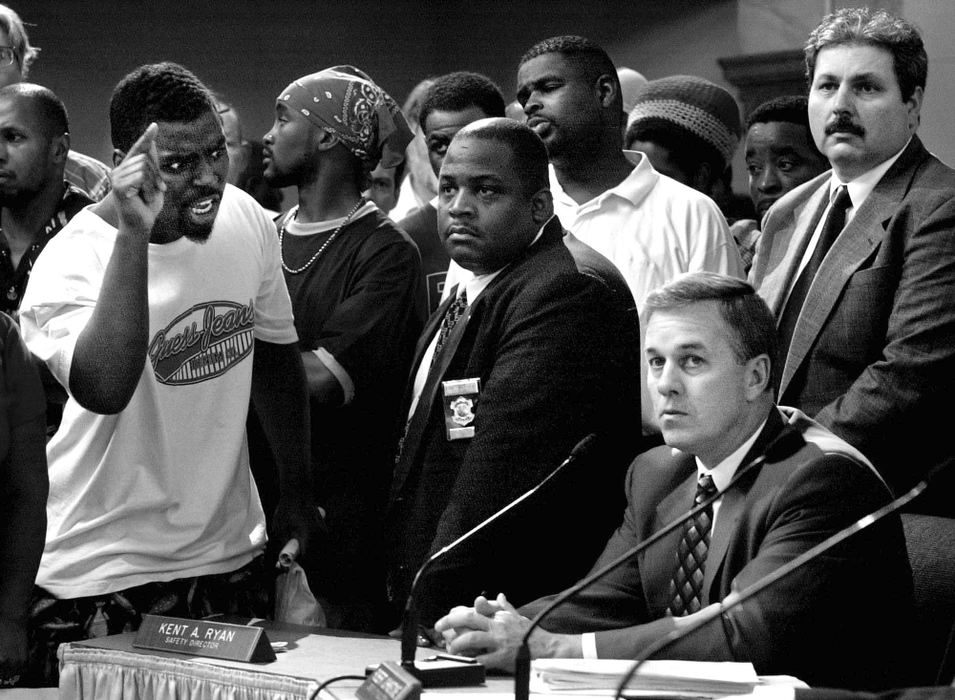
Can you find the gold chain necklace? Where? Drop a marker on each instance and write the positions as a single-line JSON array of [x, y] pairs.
[[291, 215]]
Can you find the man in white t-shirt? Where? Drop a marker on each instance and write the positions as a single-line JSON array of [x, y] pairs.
[[161, 310]]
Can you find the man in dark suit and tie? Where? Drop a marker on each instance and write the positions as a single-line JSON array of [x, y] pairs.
[[535, 352], [839, 620], [858, 264]]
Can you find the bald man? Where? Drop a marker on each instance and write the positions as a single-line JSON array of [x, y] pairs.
[[35, 202]]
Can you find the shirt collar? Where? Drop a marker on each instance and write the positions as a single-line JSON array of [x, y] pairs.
[[477, 283], [861, 187], [723, 472], [633, 188]]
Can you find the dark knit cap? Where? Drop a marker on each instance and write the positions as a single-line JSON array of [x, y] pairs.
[[697, 105]]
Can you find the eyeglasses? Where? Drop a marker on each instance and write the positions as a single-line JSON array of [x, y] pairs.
[[7, 55]]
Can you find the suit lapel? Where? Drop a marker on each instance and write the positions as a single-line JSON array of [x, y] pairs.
[[785, 241], [430, 328], [733, 505], [849, 251], [419, 419], [658, 563]]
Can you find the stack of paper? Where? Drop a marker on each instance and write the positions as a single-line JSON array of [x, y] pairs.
[[684, 679]]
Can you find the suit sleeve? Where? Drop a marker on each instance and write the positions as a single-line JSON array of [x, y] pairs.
[[897, 398], [615, 600]]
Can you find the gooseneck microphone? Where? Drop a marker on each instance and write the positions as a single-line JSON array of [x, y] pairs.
[[737, 598], [788, 442], [441, 674]]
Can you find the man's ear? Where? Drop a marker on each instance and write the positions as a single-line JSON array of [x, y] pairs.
[[758, 376], [542, 206], [118, 156], [325, 139], [60, 147], [606, 88], [915, 107]]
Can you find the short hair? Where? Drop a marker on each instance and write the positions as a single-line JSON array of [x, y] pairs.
[[862, 25], [155, 92], [25, 54], [457, 91], [586, 54], [791, 109], [528, 151], [49, 108], [751, 323]]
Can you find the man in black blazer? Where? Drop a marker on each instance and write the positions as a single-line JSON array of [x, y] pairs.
[[839, 621], [543, 352], [869, 342]]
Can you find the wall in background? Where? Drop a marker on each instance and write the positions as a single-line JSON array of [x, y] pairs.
[[249, 50]]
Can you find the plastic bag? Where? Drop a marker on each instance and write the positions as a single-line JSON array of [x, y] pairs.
[[294, 602]]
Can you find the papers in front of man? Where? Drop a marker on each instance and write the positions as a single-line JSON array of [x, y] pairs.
[[663, 678]]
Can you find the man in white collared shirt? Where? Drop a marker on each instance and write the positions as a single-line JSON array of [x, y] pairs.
[[866, 320], [710, 348], [651, 227]]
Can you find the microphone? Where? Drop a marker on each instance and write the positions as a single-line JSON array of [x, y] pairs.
[[737, 598], [788, 442], [441, 673]]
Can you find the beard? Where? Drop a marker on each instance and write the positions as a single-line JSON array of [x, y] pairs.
[[14, 197], [178, 223]]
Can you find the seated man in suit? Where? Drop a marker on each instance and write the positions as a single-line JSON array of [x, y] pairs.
[[858, 264], [535, 352], [710, 348]]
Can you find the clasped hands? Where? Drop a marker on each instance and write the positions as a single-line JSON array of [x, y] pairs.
[[492, 630]]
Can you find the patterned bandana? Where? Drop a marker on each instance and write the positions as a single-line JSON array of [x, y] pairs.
[[345, 101]]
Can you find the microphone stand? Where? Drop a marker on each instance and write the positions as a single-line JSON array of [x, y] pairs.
[[470, 673]]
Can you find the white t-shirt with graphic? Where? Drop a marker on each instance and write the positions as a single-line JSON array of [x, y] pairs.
[[161, 490]]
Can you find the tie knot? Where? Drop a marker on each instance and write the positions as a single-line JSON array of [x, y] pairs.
[[841, 199], [704, 488]]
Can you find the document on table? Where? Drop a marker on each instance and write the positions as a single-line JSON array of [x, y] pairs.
[[657, 678]]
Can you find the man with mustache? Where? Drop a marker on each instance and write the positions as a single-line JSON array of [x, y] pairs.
[[161, 310], [530, 355], [858, 264]]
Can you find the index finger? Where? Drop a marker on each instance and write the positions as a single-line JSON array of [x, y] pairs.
[[145, 143]]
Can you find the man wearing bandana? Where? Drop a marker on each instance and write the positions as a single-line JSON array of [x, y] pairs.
[[358, 299]]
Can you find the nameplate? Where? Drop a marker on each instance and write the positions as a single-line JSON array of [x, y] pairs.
[[217, 640]]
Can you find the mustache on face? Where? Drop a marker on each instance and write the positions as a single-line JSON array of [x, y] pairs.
[[844, 124]]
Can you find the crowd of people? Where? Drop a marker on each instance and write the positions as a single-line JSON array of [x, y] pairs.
[[465, 288]]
